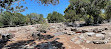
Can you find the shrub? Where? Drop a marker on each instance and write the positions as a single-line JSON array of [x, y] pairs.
[[43, 27]]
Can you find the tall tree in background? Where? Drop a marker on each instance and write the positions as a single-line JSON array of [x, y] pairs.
[[55, 17], [13, 19], [8, 18], [19, 19], [35, 18]]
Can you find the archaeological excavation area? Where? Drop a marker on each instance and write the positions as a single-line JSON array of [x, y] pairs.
[[56, 36]]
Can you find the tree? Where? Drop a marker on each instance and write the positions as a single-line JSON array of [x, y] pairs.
[[70, 15], [13, 19], [88, 7], [55, 17], [6, 4], [7, 18], [1, 24], [108, 13], [35, 18], [19, 19]]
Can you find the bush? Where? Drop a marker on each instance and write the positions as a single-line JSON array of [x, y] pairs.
[[1, 24], [55, 17], [43, 27], [13, 19]]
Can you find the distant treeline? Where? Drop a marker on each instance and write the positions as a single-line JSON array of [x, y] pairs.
[[17, 19]]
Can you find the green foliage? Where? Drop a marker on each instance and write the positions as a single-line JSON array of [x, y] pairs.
[[71, 16], [43, 27], [89, 10], [9, 18], [8, 4], [13, 19], [35, 18], [1, 24], [88, 19], [46, 2], [55, 17], [108, 13]]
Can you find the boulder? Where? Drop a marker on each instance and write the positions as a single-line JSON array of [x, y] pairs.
[[95, 30], [105, 28], [99, 42], [59, 30], [90, 33], [35, 35], [70, 33], [5, 37], [84, 31], [53, 27], [82, 36], [99, 35], [88, 41], [79, 41], [59, 33], [73, 29]]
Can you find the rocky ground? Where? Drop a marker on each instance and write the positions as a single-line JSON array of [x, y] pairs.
[[57, 36]]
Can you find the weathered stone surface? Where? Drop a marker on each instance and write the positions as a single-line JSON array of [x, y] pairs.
[[73, 29], [84, 31], [90, 33], [79, 41], [59, 33], [71, 38], [100, 42], [100, 35]]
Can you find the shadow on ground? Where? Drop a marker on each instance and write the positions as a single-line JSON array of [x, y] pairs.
[[2, 43], [41, 37], [50, 45], [19, 45], [44, 45]]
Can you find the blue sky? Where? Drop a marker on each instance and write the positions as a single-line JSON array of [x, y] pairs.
[[34, 7]]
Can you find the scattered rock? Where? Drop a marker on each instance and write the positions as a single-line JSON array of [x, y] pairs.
[[100, 35], [106, 28], [84, 31], [50, 45], [78, 32], [78, 41], [73, 29], [5, 37], [88, 41], [59, 33], [70, 33], [52, 27], [99, 42], [90, 33]]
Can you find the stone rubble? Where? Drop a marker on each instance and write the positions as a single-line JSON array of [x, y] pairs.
[[79, 36]]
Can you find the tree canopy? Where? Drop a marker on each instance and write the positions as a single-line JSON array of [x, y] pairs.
[[13, 19], [91, 8], [35, 18], [55, 17], [7, 4]]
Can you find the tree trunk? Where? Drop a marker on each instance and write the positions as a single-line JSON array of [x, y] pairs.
[[95, 19]]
